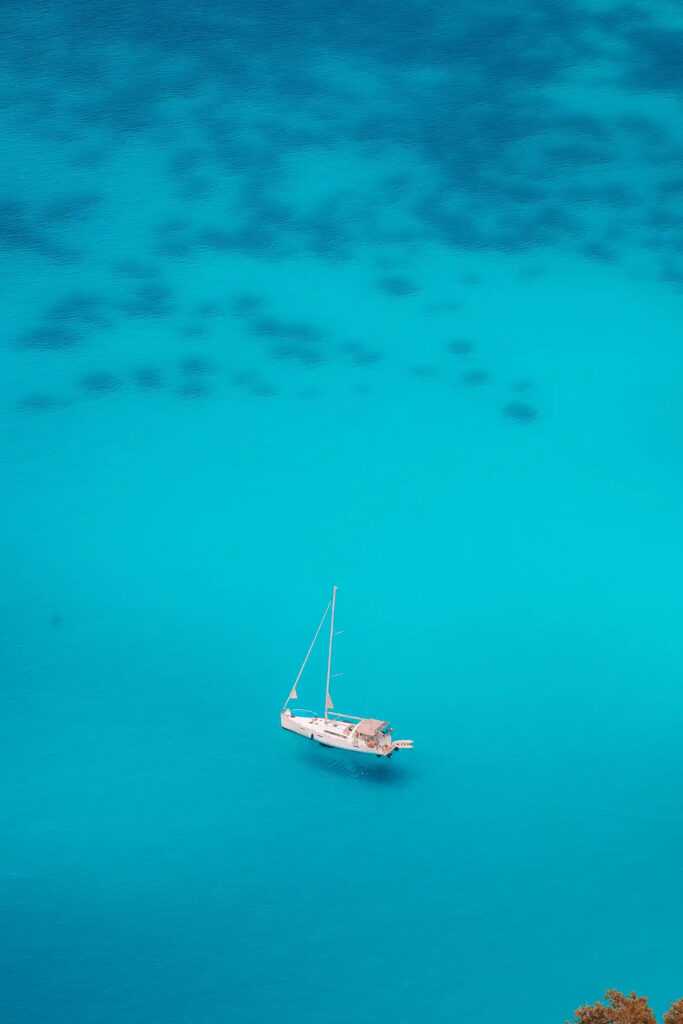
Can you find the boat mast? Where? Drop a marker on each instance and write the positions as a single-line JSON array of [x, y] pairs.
[[329, 654]]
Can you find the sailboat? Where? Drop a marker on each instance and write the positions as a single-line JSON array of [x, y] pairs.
[[344, 732]]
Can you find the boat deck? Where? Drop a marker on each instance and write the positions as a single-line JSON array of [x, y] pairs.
[[344, 734]]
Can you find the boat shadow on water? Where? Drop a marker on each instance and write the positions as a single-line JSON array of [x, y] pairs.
[[368, 770]]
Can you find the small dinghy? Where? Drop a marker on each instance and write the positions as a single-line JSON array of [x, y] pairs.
[[345, 732]]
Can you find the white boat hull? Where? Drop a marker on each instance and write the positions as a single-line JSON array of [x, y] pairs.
[[341, 735]]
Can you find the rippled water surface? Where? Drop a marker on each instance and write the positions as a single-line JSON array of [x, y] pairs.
[[380, 295]]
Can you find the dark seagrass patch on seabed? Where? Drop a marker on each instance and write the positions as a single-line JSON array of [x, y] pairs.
[[152, 301], [196, 366], [100, 382], [359, 355], [460, 347], [245, 304], [207, 309], [136, 271], [475, 378], [40, 402], [293, 340], [261, 389], [297, 331], [305, 355], [66, 322], [513, 151], [520, 412], [397, 286], [253, 384], [22, 228], [72, 208], [193, 388], [148, 378], [82, 309], [50, 337], [174, 242], [88, 159], [598, 251]]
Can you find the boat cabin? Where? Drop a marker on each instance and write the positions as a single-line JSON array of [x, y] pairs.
[[370, 731]]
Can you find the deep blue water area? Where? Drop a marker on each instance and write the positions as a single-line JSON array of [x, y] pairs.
[[382, 295]]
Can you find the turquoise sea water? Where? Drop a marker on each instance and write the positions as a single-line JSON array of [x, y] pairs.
[[383, 296]]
